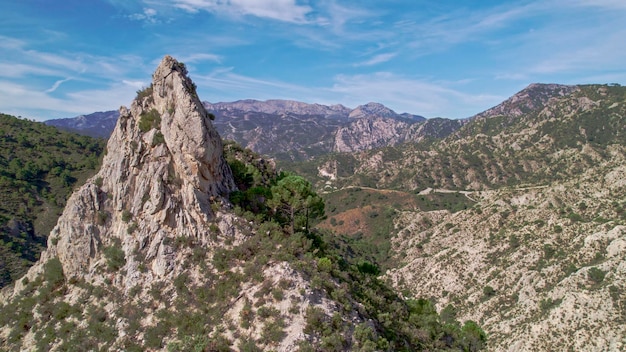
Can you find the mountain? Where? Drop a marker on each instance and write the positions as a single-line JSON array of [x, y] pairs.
[[516, 220], [97, 125], [291, 130], [39, 167], [180, 242]]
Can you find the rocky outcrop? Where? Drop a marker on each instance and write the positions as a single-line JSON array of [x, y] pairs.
[[366, 133], [164, 171]]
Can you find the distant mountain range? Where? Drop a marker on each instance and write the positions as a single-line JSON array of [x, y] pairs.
[[97, 124], [292, 130]]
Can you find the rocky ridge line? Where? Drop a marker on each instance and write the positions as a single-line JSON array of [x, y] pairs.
[[164, 170]]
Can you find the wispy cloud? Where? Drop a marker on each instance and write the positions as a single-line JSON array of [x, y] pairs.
[[148, 15], [380, 58], [400, 93], [200, 57], [405, 94], [17, 99], [281, 10], [17, 70], [57, 84], [605, 4], [11, 43]]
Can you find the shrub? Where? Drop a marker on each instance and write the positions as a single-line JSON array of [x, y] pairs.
[[115, 256], [53, 272], [131, 228], [144, 93], [126, 216], [101, 217], [324, 264], [157, 139], [489, 291], [575, 217], [149, 120], [596, 275], [514, 241], [273, 332]]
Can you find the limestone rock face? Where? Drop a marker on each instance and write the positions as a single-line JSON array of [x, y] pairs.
[[163, 171]]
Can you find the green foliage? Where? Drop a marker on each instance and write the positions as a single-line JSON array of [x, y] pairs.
[[144, 93], [39, 167], [475, 338], [53, 272], [158, 138], [366, 267], [102, 217], [548, 303], [324, 264], [489, 291], [126, 215], [295, 202], [596, 275], [114, 255], [149, 120]]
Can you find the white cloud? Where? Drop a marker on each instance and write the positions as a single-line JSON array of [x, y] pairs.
[[193, 58], [11, 43], [281, 10], [378, 59], [134, 84], [16, 70], [404, 94], [148, 15], [57, 84], [18, 99], [605, 4]]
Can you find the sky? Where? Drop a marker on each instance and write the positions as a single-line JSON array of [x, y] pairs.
[[441, 58]]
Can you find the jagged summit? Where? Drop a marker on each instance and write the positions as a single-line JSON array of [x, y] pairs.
[[371, 109], [163, 170]]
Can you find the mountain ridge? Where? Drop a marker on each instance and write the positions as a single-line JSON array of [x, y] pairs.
[[286, 129]]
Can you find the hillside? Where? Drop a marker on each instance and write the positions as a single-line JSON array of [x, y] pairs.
[[555, 139], [530, 239], [97, 124], [39, 166], [176, 245]]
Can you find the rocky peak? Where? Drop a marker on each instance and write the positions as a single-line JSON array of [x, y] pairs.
[[372, 109], [163, 173]]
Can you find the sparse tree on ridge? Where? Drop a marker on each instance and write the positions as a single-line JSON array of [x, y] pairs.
[[295, 202]]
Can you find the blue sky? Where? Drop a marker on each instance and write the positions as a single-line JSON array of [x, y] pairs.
[[433, 58]]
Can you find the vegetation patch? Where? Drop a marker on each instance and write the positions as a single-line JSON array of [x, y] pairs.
[[39, 167], [149, 120]]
